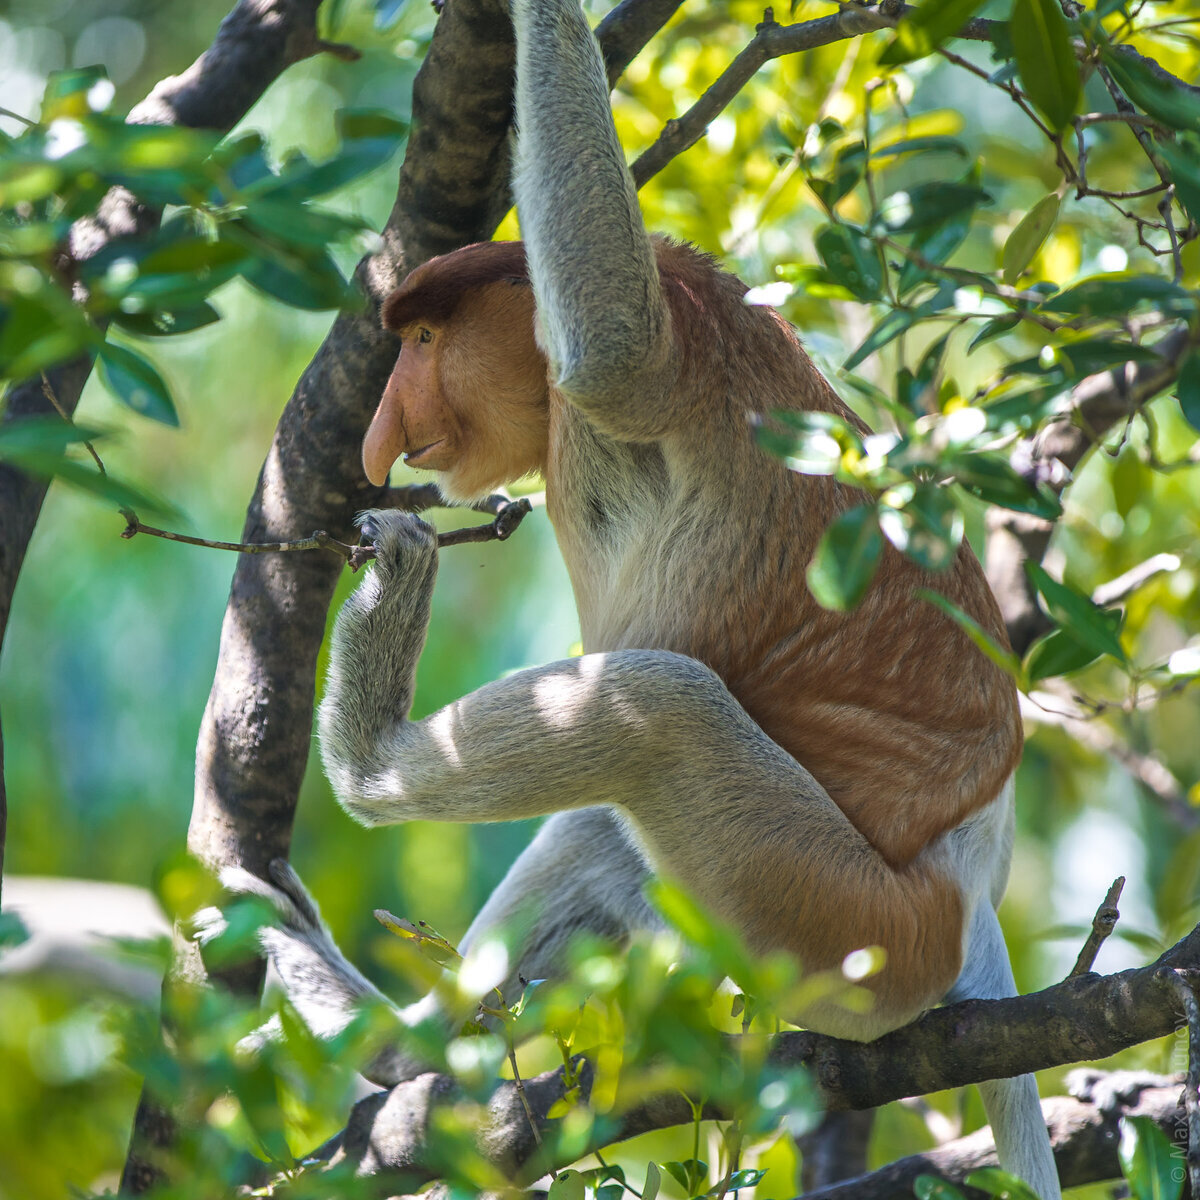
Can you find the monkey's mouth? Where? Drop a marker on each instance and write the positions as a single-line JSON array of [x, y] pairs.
[[413, 458]]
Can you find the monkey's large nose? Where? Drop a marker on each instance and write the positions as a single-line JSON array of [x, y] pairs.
[[384, 443]]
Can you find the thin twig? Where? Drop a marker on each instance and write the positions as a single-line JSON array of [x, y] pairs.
[[1184, 983], [1103, 923], [1123, 586], [48, 392], [508, 516]]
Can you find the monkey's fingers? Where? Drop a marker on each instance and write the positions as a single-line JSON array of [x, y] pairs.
[[498, 530]]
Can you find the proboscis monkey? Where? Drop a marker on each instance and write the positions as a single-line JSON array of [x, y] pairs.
[[821, 781]]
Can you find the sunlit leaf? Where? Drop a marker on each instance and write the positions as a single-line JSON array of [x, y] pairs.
[[923, 522], [924, 29], [1026, 239], [891, 327]]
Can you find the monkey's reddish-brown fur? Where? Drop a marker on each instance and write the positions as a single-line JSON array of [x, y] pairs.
[[906, 725]]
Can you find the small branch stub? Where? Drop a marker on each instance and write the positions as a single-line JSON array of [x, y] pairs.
[[1103, 923]]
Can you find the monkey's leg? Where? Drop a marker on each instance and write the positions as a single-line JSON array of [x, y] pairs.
[[1013, 1108]]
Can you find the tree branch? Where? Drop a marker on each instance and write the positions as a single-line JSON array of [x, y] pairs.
[[1098, 404], [1084, 1017]]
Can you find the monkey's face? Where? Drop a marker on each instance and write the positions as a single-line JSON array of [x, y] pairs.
[[467, 398], [413, 418]]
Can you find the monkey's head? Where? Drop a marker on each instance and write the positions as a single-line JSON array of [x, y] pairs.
[[468, 395]]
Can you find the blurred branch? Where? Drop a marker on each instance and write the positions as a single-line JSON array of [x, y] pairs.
[[1147, 769], [1098, 404], [1085, 1017], [1084, 1136]]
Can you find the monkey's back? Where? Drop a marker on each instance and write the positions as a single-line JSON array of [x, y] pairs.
[[698, 542]]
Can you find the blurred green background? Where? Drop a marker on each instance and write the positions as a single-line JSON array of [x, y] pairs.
[[109, 656]]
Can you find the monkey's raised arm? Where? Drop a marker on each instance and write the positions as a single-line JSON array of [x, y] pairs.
[[603, 317]]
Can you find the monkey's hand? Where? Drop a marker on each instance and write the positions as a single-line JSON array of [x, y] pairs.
[[405, 546]]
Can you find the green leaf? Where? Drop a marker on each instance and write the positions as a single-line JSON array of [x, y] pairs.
[[167, 323], [1026, 240], [689, 1174], [935, 244], [1158, 97], [926, 29], [653, 1181], [369, 139], [1116, 293], [934, 144], [848, 168], [995, 328], [307, 278], [896, 322], [87, 479], [931, 203], [994, 479], [12, 930], [1085, 620], [852, 259], [1058, 653], [136, 383], [1151, 1165], [930, 1187], [1183, 159], [66, 93], [295, 222], [845, 560], [41, 435], [1002, 1185], [922, 521], [746, 1177], [1187, 388], [1004, 658], [568, 1186], [1045, 60]]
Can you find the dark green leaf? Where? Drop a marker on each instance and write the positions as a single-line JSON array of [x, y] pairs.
[[995, 328], [1074, 360], [369, 139], [852, 259], [310, 280], [39, 330], [1086, 621], [136, 383], [1058, 653], [1116, 294], [296, 222], [1045, 60], [1027, 238], [1158, 97], [166, 324], [87, 479], [1183, 159], [12, 930], [925, 29], [845, 560], [1187, 388], [934, 144], [993, 479], [848, 168], [927, 204], [898, 321], [1152, 1166], [41, 435], [934, 244]]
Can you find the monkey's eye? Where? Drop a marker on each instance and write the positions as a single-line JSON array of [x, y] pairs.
[[424, 336]]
